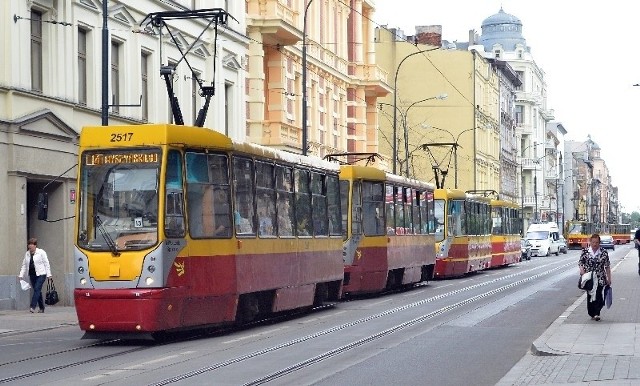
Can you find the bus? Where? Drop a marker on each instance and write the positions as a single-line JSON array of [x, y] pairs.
[[389, 233]]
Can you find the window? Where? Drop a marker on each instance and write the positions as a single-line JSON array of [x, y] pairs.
[[195, 87], [82, 66], [390, 213], [319, 204], [373, 208], [334, 205], [115, 76], [266, 199], [208, 195], [36, 50], [284, 207], [144, 80], [243, 211], [174, 215], [519, 114], [304, 226]]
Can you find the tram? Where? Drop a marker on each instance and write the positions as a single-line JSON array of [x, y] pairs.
[[389, 233], [505, 233], [579, 232], [463, 233], [620, 233], [178, 227]]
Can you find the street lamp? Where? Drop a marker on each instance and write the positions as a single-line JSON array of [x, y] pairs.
[[406, 131], [304, 78], [395, 104]]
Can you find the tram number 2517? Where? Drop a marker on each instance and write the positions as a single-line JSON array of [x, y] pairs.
[[121, 137]]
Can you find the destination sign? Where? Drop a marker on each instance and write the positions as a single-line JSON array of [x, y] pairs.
[[95, 159]]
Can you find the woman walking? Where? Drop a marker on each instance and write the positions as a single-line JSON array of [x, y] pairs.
[[595, 259], [36, 264]]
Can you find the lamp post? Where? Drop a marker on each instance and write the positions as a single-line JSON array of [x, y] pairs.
[[406, 131], [304, 78], [395, 104]]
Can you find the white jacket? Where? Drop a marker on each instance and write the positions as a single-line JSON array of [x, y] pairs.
[[40, 261]]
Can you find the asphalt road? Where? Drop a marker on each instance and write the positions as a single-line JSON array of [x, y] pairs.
[[470, 330]]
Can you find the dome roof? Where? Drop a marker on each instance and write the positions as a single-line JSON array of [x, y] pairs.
[[502, 29], [501, 18]]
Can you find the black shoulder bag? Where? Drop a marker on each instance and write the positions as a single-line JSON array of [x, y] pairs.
[[51, 296]]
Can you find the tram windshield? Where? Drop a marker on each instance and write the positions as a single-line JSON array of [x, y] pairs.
[[118, 200]]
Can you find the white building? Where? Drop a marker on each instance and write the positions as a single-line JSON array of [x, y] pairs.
[[502, 39], [51, 86]]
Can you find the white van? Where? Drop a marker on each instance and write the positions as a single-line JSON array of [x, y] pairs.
[[544, 239]]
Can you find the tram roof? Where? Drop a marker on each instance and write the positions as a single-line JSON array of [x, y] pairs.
[[190, 137]]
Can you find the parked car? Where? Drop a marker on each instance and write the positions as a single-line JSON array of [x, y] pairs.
[[607, 242], [525, 249], [562, 245]]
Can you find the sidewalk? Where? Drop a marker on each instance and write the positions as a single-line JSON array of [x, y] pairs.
[[576, 349], [14, 322]]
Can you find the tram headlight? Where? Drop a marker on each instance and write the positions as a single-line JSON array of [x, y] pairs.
[[81, 270], [148, 281], [151, 268], [83, 281]]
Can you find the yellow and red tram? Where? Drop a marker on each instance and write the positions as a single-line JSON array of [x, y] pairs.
[[620, 233], [389, 240], [463, 233], [505, 233], [178, 227]]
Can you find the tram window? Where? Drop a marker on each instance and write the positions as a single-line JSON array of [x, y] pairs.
[[390, 210], [284, 191], [356, 208], [439, 219], [373, 208], [407, 194], [319, 205], [265, 199], [417, 229], [243, 214], [400, 214], [344, 206], [334, 205], [457, 223], [174, 214], [208, 195], [304, 226], [497, 221]]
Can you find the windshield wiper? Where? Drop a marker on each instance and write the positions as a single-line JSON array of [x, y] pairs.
[[107, 238]]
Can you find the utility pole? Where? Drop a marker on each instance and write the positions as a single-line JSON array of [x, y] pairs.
[[105, 65]]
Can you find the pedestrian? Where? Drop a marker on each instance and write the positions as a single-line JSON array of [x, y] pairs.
[[595, 259], [36, 264], [636, 240]]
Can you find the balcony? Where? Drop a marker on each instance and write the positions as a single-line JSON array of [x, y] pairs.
[[528, 163], [277, 23], [372, 77]]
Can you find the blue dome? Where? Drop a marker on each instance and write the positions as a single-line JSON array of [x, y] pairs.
[[504, 29]]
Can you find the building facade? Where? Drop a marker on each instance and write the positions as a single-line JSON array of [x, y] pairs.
[[52, 88], [502, 39], [454, 139], [329, 46]]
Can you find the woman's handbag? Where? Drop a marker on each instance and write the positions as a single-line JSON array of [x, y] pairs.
[[51, 296]]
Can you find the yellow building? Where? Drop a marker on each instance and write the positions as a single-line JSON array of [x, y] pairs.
[[461, 132], [343, 81]]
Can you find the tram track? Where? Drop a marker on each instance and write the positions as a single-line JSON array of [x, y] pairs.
[[549, 269], [370, 338]]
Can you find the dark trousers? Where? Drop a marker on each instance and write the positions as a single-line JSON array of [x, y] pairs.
[[594, 307], [36, 283]]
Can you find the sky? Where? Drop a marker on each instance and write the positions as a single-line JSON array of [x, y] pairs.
[[588, 52]]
